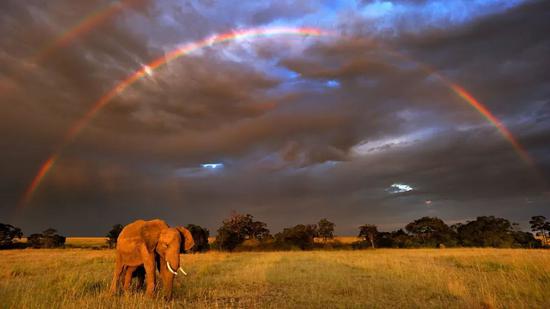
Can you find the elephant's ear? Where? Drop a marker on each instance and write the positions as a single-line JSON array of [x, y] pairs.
[[187, 238]]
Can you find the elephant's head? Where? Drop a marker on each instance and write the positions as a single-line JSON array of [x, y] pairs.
[[171, 242], [168, 247]]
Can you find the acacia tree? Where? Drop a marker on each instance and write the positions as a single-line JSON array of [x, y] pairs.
[[540, 226], [369, 233], [325, 229], [237, 229], [432, 231]]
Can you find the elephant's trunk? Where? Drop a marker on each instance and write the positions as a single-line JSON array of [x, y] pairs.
[[170, 269]]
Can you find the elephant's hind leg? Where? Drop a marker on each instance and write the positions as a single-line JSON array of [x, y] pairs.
[[128, 277], [116, 275]]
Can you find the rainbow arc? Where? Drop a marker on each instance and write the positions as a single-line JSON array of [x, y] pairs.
[[188, 48]]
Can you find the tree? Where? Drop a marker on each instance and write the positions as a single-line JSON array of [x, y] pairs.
[[237, 229], [325, 229], [369, 233], [112, 236], [258, 230], [200, 236], [540, 226], [432, 231], [487, 231], [48, 239], [302, 236], [7, 233]]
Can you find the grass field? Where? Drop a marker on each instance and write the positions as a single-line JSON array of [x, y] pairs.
[[410, 278]]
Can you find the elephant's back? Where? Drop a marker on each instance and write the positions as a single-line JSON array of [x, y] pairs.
[[131, 230], [140, 232]]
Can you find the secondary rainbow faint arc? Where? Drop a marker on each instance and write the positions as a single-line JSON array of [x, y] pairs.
[[84, 26], [185, 49], [63, 40]]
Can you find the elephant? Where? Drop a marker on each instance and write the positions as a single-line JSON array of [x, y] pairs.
[[151, 245]]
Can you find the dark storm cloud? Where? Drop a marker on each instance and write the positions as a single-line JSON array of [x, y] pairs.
[[294, 148]]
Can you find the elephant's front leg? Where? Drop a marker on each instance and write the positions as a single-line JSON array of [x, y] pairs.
[[167, 280], [149, 265]]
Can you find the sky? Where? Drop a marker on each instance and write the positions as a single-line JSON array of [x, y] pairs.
[[358, 126]]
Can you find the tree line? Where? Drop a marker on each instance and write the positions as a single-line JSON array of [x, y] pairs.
[[47, 239], [241, 232]]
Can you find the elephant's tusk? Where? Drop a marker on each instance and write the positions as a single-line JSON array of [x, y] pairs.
[[182, 271], [170, 269]]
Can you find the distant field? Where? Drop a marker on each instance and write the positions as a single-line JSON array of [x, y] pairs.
[[342, 239], [385, 278], [81, 242]]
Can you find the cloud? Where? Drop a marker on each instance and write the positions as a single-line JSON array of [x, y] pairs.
[[305, 127]]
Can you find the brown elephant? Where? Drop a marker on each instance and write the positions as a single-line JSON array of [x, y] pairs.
[[150, 244]]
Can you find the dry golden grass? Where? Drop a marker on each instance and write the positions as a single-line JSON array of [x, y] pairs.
[[341, 239], [385, 278], [86, 241]]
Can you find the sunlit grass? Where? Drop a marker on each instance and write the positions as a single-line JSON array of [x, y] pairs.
[[410, 278]]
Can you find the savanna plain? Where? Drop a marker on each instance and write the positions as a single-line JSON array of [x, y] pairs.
[[380, 278]]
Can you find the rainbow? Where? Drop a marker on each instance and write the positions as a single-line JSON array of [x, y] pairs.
[[145, 70], [188, 48], [486, 113], [473, 102]]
